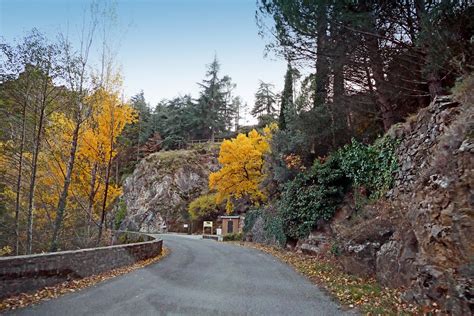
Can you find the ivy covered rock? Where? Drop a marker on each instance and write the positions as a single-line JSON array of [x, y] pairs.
[[425, 243]]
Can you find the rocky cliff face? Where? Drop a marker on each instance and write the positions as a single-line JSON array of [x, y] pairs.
[[161, 187], [421, 236], [433, 244]]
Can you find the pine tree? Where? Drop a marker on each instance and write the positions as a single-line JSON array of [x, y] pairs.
[[265, 100], [213, 106], [286, 104]]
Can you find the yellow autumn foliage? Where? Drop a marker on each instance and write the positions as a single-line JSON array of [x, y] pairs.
[[96, 146], [203, 206], [242, 160]]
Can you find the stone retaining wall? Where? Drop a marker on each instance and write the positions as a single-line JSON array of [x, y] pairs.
[[27, 273]]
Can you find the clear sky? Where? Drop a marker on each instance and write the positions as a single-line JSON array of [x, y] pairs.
[[163, 45]]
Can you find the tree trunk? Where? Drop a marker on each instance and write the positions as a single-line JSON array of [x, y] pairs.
[[434, 81], [338, 89], [322, 64], [64, 194], [104, 203], [434, 84], [385, 107], [212, 135], [92, 192], [31, 195], [18, 182]]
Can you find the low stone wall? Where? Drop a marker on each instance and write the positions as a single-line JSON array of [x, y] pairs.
[[27, 273]]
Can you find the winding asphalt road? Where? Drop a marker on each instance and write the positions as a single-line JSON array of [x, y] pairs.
[[199, 277]]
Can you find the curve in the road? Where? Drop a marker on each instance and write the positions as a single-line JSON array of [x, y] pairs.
[[199, 277]]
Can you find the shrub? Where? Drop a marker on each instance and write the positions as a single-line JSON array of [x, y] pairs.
[[312, 196], [265, 226], [335, 249], [371, 167], [233, 237], [6, 250], [250, 218], [273, 229], [204, 206], [462, 91], [173, 142], [121, 213], [284, 143]]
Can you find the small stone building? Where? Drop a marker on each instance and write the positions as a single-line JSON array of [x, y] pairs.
[[231, 224]]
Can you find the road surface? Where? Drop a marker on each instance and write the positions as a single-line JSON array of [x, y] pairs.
[[199, 277]]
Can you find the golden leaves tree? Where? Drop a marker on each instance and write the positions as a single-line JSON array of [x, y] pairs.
[[110, 118], [242, 160]]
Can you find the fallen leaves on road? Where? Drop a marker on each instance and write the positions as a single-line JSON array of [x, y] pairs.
[[49, 292], [351, 291]]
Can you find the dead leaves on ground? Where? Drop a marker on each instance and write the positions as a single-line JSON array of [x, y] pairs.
[[49, 292], [364, 294]]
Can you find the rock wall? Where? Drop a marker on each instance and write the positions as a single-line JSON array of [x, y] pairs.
[[28, 273], [421, 237], [159, 190]]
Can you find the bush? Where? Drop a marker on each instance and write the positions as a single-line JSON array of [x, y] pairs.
[[264, 226], [273, 229], [121, 213], [371, 167], [233, 237], [173, 142], [250, 218], [204, 206], [284, 143], [462, 91], [312, 196]]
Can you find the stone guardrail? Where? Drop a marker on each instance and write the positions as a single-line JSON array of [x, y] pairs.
[[31, 272]]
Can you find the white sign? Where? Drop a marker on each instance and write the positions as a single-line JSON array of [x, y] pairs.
[[185, 225], [207, 224]]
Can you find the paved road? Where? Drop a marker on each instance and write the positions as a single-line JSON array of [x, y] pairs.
[[199, 277]]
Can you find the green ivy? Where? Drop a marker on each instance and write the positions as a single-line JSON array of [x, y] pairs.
[[316, 194], [312, 196], [272, 227], [372, 166], [250, 218]]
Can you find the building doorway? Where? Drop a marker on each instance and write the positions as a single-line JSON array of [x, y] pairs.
[[230, 227]]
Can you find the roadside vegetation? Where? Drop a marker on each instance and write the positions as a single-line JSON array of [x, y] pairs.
[[355, 69]]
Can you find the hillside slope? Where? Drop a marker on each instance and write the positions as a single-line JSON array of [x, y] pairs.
[[421, 235]]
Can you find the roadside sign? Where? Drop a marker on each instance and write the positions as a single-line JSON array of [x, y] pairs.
[[206, 224]]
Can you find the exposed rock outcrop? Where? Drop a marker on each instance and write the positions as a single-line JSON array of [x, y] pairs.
[[162, 185], [421, 236]]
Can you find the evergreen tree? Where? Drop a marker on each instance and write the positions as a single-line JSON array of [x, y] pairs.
[[213, 108], [392, 55], [237, 107], [143, 125], [286, 104], [137, 133], [265, 100]]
